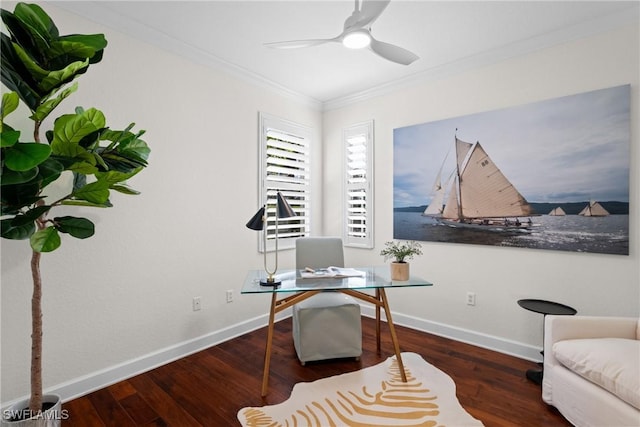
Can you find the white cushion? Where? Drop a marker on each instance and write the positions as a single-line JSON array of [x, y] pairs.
[[611, 363]]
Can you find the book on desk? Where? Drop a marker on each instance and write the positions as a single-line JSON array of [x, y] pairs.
[[330, 273]]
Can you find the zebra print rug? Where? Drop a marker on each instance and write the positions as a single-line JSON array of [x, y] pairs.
[[371, 397]]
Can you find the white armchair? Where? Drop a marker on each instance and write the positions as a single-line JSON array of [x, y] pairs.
[[592, 369]]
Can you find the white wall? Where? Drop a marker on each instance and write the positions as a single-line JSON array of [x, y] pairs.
[[592, 283], [126, 292]]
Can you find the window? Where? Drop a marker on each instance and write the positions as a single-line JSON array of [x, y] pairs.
[[284, 167], [358, 188]]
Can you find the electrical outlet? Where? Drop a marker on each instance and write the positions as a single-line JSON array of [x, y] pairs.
[[229, 296], [471, 298], [196, 304]]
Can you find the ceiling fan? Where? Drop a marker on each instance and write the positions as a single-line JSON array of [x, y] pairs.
[[357, 34]]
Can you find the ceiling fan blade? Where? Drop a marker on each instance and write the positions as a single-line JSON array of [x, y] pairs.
[[295, 44], [370, 10], [392, 53]]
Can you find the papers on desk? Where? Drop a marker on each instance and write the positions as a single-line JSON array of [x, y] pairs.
[[330, 273]]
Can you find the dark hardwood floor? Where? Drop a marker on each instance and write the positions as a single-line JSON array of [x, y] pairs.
[[208, 388]]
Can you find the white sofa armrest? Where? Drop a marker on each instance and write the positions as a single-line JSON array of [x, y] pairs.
[[558, 328]]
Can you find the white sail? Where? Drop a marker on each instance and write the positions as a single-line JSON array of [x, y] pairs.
[[557, 212], [484, 191], [437, 196], [594, 209], [436, 206], [452, 208]]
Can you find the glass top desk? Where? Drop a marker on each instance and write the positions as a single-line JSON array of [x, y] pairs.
[[294, 289]]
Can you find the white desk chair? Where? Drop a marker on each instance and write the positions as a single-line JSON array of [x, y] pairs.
[[327, 325]]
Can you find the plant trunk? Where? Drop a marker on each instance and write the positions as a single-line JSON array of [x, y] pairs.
[[35, 402]]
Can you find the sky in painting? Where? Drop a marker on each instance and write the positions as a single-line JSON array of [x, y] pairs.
[[568, 149]]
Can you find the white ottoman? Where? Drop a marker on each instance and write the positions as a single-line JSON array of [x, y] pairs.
[[327, 326]]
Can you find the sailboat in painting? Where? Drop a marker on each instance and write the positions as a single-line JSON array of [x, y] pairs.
[[480, 195], [594, 209], [557, 212]]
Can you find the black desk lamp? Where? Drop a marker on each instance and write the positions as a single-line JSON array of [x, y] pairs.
[[257, 222]]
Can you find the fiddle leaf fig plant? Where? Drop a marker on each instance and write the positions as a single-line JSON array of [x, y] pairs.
[[39, 68]]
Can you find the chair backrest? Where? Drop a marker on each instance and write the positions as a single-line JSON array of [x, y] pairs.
[[319, 252]]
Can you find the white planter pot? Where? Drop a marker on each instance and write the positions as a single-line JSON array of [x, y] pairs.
[[52, 417]]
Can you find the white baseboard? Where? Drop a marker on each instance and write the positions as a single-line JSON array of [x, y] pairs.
[[83, 385], [501, 345]]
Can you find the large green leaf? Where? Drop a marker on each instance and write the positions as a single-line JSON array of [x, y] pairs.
[[15, 197], [115, 177], [80, 228], [37, 20], [13, 232], [47, 107], [96, 41], [69, 129], [10, 177], [49, 171], [95, 192], [84, 168], [86, 204], [69, 48], [30, 216], [46, 240], [16, 77], [55, 79], [32, 66], [24, 156], [40, 29], [125, 190], [25, 35], [8, 138], [10, 101]]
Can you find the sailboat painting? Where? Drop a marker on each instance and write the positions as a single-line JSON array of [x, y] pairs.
[[549, 175]]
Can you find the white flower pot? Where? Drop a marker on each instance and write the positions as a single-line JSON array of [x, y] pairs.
[[51, 417]]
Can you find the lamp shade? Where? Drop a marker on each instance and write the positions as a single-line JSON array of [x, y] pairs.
[[284, 210], [257, 221]]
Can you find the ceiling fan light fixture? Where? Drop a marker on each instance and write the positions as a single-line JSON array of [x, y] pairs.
[[357, 39]]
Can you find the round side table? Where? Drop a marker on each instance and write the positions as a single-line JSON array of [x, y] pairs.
[[544, 307]]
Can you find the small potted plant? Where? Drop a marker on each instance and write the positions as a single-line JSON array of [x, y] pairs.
[[400, 252]]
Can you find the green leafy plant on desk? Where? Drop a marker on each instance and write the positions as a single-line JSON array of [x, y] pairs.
[[400, 252]]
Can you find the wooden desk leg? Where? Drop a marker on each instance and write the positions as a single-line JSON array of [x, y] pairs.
[[267, 354], [394, 338], [378, 322]]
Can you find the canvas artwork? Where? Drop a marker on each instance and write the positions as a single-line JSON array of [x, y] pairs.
[[548, 175]]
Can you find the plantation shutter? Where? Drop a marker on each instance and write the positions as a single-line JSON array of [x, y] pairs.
[[358, 187], [285, 168]]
